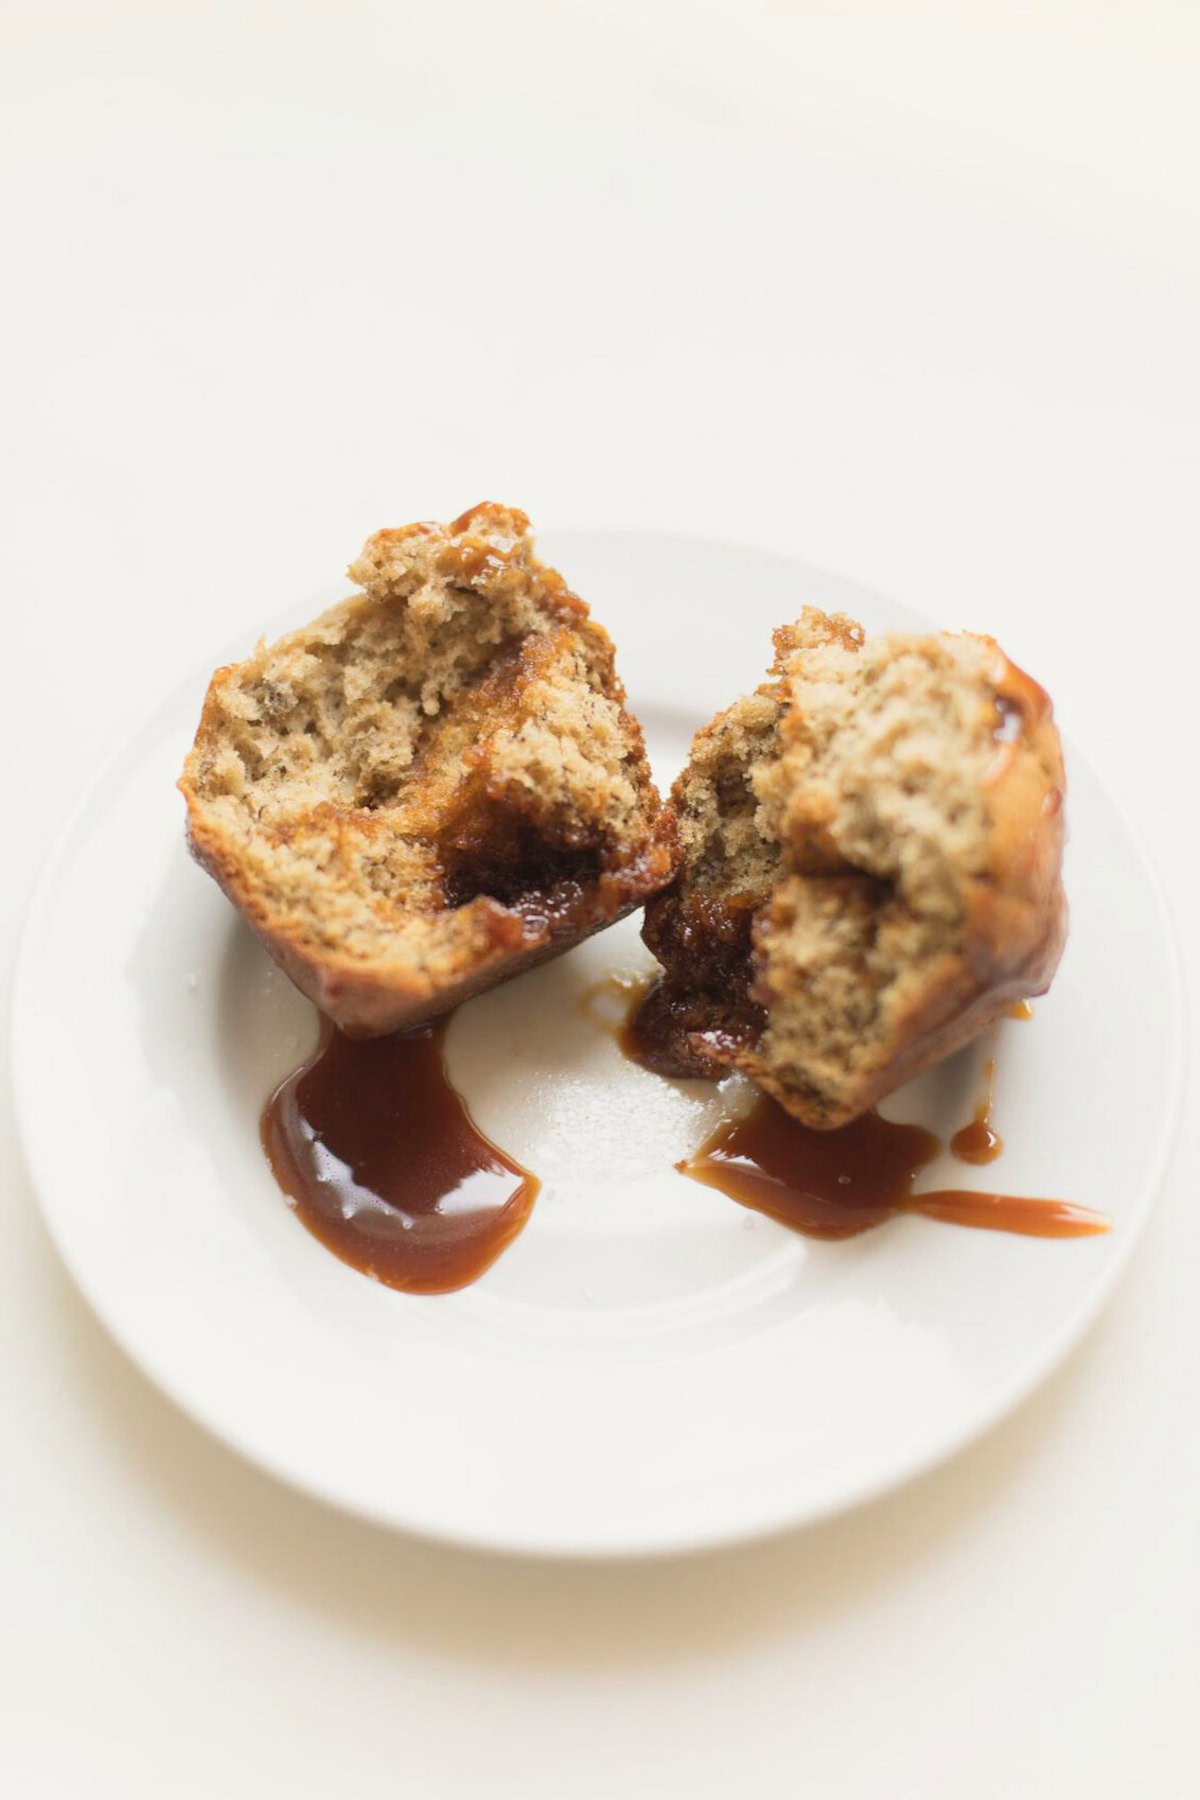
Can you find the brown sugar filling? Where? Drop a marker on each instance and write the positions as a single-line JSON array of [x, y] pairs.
[[702, 1005]]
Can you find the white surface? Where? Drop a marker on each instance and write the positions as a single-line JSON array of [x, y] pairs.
[[911, 290], [648, 1368]]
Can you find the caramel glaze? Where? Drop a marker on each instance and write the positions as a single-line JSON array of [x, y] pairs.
[[978, 1142], [834, 1184], [382, 1162]]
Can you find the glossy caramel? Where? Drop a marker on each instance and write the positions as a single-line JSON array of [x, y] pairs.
[[382, 1162], [669, 1027], [835, 1184], [978, 1142], [830, 1184]]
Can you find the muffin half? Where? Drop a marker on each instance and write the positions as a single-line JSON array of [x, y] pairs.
[[434, 785], [870, 852]]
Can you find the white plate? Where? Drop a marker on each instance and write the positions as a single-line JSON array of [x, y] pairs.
[[649, 1367]]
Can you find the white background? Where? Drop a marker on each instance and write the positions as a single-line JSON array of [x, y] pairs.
[[910, 289]]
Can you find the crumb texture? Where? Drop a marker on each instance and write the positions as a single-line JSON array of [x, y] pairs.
[[870, 857], [434, 783]]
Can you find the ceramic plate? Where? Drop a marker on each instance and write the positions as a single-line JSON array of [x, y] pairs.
[[649, 1367]]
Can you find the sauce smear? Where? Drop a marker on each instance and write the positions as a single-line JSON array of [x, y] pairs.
[[834, 1184], [384, 1164]]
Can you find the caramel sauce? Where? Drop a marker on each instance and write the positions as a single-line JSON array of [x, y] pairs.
[[382, 1162], [830, 1184], [649, 1029], [978, 1142], [668, 1029], [835, 1184]]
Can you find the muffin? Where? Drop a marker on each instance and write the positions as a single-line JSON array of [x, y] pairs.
[[434, 785], [869, 868]]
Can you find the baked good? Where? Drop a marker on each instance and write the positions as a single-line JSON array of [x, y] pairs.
[[869, 871], [433, 785]]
